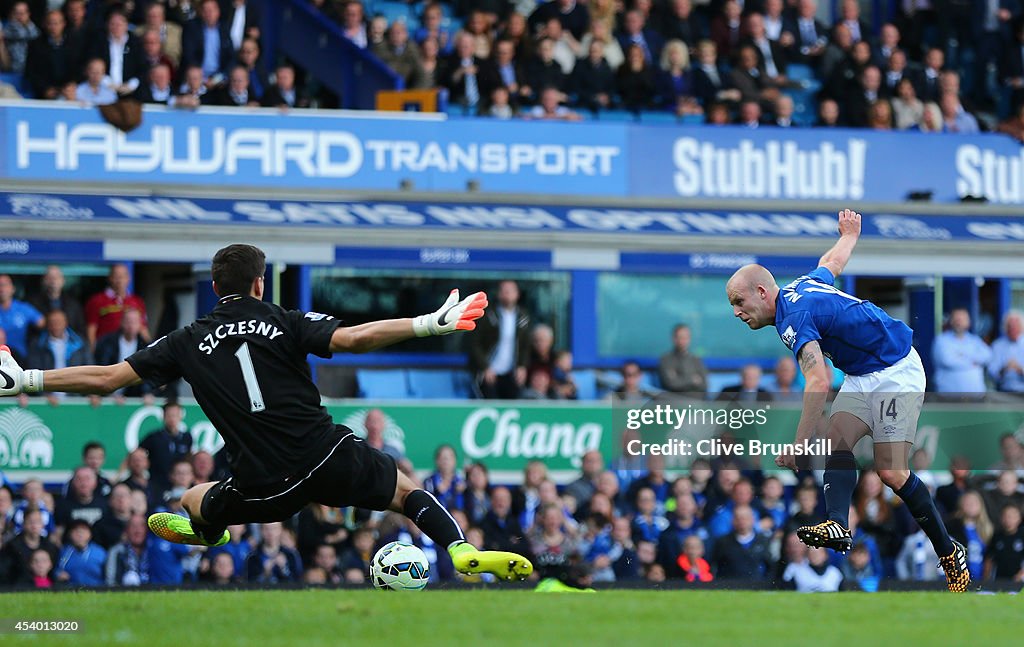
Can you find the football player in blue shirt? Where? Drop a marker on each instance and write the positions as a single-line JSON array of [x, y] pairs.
[[882, 394]]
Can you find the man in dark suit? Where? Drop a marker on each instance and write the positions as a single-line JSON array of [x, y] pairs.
[[750, 81], [573, 15], [503, 70], [678, 21], [462, 73], [51, 62], [592, 79], [1011, 68], [635, 31], [114, 348], [157, 89], [242, 19], [283, 93], [926, 80], [849, 15], [990, 25], [859, 102], [771, 58], [748, 390], [234, 93], [122, 53], [206, 42], [810, 36]]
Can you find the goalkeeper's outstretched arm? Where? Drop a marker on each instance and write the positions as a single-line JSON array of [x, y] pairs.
[[453, 315], [89, 380]]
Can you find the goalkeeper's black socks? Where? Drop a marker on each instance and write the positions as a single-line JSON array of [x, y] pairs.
[[431, 517], [840, 480], [919, 501], [209, 534]]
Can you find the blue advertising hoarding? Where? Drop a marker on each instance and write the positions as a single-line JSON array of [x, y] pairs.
[[483, 216], [372, 151]]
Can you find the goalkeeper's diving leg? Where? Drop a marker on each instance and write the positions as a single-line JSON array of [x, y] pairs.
[[438, 524]]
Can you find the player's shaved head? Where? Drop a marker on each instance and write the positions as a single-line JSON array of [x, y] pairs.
[[236, 268], [751, 276], [752, 291]]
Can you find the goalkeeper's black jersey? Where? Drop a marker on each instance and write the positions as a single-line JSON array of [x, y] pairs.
[[246, 362]]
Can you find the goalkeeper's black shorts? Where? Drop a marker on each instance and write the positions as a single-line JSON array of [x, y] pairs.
[[351, 474]]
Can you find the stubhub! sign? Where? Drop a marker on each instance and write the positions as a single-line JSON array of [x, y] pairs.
[[370, 151], [305, 149]]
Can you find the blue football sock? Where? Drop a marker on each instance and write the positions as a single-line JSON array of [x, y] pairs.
[[840, 480], [919, 501]]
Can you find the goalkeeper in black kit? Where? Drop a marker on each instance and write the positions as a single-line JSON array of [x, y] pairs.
[[246, 362]]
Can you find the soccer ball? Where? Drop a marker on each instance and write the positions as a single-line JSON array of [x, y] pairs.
[[399, 567]]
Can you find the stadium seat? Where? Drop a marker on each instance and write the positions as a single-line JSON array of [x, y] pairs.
[[616, 115], [799, 72], [456, 110], [19, 83], [463, 385], [432, 384], [693, 120], [586, 384], [392, 11], [383, 384], [658, 117], [718, 381]]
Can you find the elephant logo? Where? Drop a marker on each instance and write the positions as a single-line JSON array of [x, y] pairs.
[[25, 440], [393, 434]]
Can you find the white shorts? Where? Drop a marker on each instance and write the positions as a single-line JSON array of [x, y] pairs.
[[888, 401]]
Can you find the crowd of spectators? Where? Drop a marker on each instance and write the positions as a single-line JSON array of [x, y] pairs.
[[51, 328], [936, 66], [717, 520]]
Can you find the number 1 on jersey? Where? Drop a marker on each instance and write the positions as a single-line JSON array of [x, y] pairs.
[[249, 375]]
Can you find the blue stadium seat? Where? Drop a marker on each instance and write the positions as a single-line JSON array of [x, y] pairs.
[[799, 72], [586, 384], [19, 83], [658, 117], [616, 115], [718, 381], [463, 384], [693, 120], [456, 110], [432, 384], [391, 10], [383, 384]]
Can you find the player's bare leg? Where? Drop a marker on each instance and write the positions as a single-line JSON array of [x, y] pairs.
[[844, 430], [432, 518], [893, 463], [194, 530]]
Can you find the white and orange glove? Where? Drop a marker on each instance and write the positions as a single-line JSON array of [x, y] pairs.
[[453, 315], [13, 379]]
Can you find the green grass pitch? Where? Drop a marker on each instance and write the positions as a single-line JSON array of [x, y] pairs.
[[310, 618]]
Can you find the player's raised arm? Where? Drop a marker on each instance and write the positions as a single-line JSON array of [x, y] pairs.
[[836, 258], [91, 380], [453, 315]]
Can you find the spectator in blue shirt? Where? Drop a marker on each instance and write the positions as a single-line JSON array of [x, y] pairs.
[[1006, 368], [960, 357], [647, 524], [16, 317], [238, 548], [972, 527], [81, 562], [32, 497], [445, 483], [683, 523], [721, 521], [59, 347]]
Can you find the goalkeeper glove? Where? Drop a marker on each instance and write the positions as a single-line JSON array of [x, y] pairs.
[[15, 380], [453, 315]]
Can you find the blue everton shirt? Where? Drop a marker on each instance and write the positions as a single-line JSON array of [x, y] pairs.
[[855, 334]]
